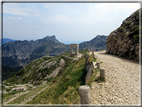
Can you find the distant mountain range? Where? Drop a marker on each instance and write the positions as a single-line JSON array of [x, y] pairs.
[[98, 43], [5, 40], [20, 53]]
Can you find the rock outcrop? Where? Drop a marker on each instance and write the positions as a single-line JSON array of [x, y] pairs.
[[124, 41]]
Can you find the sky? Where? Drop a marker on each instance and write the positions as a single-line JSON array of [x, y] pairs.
[[69, 22]]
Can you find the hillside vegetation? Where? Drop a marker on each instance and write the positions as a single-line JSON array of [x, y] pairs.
[[8, 72], [40, 87]]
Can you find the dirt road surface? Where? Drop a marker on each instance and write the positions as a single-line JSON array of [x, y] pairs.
[[122, 86]]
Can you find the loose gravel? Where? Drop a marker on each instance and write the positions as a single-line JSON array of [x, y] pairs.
[[122, 86]]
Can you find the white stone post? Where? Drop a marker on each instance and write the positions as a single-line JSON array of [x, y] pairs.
[[84, 92], [98, 65], [102, 73]]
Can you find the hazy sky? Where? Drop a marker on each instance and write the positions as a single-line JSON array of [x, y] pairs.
[[69, 22]]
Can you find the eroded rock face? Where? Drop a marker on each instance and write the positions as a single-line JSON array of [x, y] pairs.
[[55, 72], [124, 41]]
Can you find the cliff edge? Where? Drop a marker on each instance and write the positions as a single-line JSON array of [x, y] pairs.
[[124, 41]]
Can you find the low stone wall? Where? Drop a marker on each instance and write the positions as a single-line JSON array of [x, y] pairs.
[[84, 90], [70, 58], [89, 69]]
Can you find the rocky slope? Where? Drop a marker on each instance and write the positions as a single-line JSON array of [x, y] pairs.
[[124, 41], [97, 43], [47, 80], [39, 70], [20, 53]]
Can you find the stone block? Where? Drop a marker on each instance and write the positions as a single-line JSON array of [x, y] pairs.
[[102, 73], [84, 92], [98, 65]]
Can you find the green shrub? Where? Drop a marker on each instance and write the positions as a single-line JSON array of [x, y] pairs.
[[134, 28], [127, 24], [120, 29], [136, 38], [137, 19]]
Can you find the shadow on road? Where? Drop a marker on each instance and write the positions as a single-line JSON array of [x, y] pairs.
[[115, 56]]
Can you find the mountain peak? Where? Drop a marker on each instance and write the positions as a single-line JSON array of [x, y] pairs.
[[97, 43], [53, 36]]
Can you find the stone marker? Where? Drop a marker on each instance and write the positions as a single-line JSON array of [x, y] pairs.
[[84, 92], [98, 65], [102, 73], [76, 46]]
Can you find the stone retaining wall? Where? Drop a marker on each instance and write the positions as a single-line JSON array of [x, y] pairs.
[[84, 90], [89, 68], [70, 58]]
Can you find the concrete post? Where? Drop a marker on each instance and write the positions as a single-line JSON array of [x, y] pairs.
[[98, 65], [84, 92], [102, 73]]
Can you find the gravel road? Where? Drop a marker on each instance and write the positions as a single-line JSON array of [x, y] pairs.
[[122, 86]]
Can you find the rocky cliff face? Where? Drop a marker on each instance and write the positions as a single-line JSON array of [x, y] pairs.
[[124, 41], [98, 43]]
